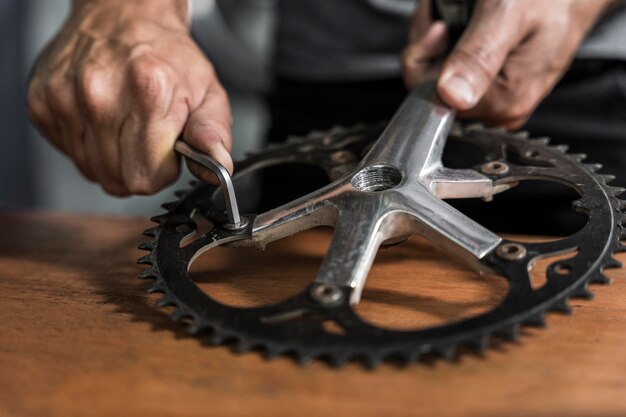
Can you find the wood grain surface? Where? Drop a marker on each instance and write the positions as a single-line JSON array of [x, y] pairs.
[[79, 337]]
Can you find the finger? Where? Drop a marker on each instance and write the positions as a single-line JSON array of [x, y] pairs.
[[102, 175], [209, 130], [58, 100], [422, 59], [422, 19], [506, 106], [77, 149], [40, 114], [69, 124], [148, 161], [81, 161], [480, 54], [98, 104], [524, 81], [156, 116], [99, 92]]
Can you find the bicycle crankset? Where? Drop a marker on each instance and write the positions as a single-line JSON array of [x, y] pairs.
[[388, 184]]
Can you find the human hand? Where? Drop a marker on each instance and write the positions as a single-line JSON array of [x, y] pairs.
[[119, 84], [509, 58]]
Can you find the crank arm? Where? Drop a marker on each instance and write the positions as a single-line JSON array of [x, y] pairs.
[[392, 193]]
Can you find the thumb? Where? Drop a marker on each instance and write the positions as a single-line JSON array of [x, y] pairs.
[[208, 129], [479, 55]]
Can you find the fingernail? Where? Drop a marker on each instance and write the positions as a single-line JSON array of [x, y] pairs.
[[460, 88], [223, 157]]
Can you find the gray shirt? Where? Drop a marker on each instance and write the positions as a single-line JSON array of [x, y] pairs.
[[337, 40]]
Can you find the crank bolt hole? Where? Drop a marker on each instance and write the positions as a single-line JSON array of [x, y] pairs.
[[377, 178], [511, 251], [495, 168], [326, 294]]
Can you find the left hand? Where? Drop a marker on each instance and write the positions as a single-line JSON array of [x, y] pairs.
[[509, 58]]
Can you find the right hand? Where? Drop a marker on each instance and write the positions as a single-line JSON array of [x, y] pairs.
[[119, 84], [509, 58]]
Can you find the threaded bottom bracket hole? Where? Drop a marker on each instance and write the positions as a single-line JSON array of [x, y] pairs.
[[377, 178]]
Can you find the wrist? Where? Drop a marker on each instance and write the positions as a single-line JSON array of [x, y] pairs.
[[173, 14]]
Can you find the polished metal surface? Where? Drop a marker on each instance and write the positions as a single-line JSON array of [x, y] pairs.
[[395, 191]]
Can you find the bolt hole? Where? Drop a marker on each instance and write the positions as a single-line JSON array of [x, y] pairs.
[[495, 168], [511, 250], [328, 291], [377, 178], [326, 294]]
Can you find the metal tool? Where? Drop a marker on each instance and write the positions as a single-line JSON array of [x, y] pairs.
[[396, 189], [235, 221]]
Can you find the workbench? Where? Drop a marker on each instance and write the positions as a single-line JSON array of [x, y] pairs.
[[80, 337]]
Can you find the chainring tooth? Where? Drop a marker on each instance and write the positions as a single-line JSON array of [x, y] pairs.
[[337, 349]]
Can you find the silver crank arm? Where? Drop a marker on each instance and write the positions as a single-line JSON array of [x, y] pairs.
[[394, 192]]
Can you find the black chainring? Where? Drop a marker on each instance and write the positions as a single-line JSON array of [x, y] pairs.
[[302, 334]]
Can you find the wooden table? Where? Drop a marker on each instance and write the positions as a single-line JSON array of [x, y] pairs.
[[79, 337]]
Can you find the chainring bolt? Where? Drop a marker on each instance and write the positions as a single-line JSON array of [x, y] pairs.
[[495, 168], [326, 294], [511, 251], [243, 223]]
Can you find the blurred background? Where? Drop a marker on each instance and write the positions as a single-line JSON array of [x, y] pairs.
[[33, 175]]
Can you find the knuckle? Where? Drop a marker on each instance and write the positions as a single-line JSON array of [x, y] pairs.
[[89, 82], [54, 89], [149, 78], [93, 91], [480, 60]]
